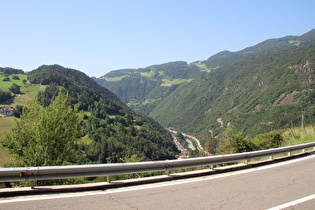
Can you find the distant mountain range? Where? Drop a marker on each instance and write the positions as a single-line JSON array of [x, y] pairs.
[[261, 88]]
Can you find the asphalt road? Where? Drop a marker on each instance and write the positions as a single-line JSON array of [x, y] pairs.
[[258, 188]]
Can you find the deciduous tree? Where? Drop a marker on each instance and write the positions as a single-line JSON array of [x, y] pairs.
[[14, 88], [45, 135]]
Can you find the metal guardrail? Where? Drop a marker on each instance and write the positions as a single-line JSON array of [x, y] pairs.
[[75, 171]]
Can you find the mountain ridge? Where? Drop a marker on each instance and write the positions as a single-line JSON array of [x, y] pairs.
[[287, 42]]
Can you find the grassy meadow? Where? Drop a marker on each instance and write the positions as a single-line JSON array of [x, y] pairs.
[[168, 82], [4, 85], [28, 91], [6, 123]]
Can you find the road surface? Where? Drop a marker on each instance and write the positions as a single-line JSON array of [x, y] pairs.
[[275, 186]]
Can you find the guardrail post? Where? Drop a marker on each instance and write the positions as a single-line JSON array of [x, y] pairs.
[[167, 172], [246, 162], [211, 167], [108, 179], [32, 184], [270, 157], [167, 166], [289, 153]]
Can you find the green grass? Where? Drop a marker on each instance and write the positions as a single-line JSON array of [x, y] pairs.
[[6, 123], [168, 82], [5, 157], [203, 67], [147, 74], [86, 140], [295, 43], [151, 73], [147, 101], [4, 85], [299, 135], [32, 90], [161, 73], [29, 91]]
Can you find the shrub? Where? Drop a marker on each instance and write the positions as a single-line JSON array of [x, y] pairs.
[[269, 140]]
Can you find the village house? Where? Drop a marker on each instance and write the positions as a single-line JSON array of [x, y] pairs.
[[8, 111]]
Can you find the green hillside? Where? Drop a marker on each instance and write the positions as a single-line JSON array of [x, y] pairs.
[[144, 88], [256, 95], [112, 130]]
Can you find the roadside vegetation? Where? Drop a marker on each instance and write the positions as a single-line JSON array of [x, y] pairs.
[[232, 141]]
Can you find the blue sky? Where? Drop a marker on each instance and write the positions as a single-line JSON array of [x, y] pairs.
[[97, 36]]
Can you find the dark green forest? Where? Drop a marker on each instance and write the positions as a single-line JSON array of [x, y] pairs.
[[9, 71]]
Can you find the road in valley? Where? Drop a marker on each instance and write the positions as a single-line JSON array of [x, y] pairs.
[[200, 148], [257, 188], [190, 144]]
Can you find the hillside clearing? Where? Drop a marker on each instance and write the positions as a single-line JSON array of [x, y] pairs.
[[168, 82]]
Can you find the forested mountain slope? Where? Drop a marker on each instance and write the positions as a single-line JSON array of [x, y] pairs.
[[255, 95], [113, 131]]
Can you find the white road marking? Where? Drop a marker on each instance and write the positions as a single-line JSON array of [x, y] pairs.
[[158, 184], [293, 203]]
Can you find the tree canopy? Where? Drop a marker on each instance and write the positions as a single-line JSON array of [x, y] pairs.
[[15, 88], [45, 136]]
